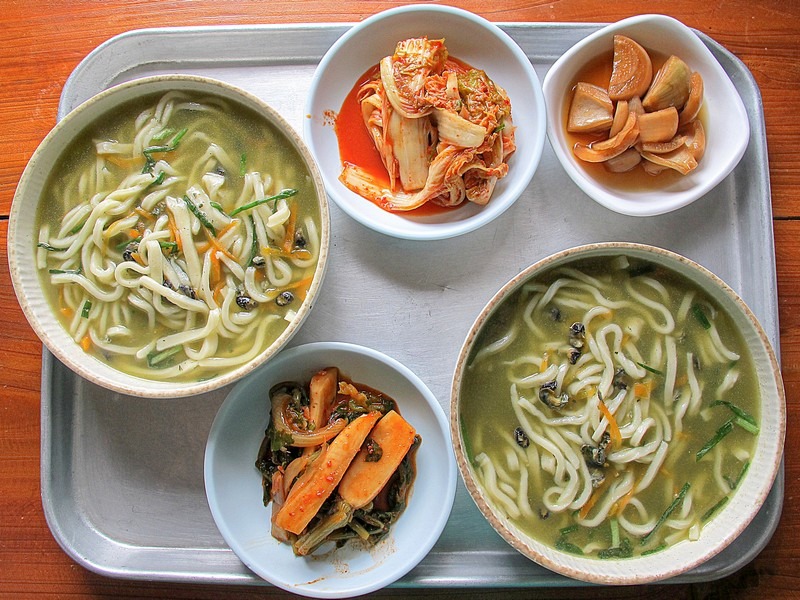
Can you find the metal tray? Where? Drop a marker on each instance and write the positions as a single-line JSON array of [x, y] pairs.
[[122, 478]]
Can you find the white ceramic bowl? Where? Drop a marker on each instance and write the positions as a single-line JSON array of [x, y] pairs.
[[742, 506], [23, 234], [233, 484], [467, 37], [726, 123]]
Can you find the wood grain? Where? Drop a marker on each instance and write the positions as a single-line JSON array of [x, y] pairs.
[[42, 42]]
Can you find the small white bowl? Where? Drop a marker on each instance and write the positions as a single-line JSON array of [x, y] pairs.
[[727, 126], [468, 37], [23, 234], [730, 520], [233, 484]]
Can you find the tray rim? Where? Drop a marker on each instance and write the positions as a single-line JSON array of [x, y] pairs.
[[97, 61]]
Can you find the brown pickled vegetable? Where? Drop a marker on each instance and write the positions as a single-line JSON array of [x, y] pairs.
[[640, 120]]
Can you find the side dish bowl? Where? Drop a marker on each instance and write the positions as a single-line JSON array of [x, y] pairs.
[[234, 491], [727, 129], [468, 37], [717, 527], [30, 200]]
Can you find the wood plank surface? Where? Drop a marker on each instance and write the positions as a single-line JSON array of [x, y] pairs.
[[42, 42]]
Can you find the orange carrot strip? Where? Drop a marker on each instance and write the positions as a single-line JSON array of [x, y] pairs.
[[215, 243], [86, 343], [216, 269], [613, 428], [145, 213], [288, 239], [227, 228], [173, 228], [320, 479], [122, 161]]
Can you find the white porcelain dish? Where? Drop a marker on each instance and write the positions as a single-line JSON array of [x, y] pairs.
[[726, 123], [468, 37], [23, 235], [233, 484], [742, 506]]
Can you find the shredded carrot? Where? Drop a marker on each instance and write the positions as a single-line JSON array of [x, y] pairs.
[[613, 428], [591, 501], [67, 312], [86, 343], [642, 389], [301, 253], [133, 233], [620, 504], [122, 161], [173, 228], [300, 285], [202, 247], [218, 290], [288, 239], [216, 245], [216, 269], [137, 257], [545, 363], [227, 228], [145, 213]]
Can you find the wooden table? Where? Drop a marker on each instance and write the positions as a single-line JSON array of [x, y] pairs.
[[42, 42]]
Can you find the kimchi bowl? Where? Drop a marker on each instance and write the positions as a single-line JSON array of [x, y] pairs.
[[473, 42]]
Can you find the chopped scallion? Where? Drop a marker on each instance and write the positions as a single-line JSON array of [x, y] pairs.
[[649, 368], [279, 196], [155, 359], [78, 271], [658, 548], [735, 482], [724, 430], [243, 164], [711, 511], [200, 216], [665, 515], [162, 135], [47, 247], [741, 414], [565, 546], [87, 306], [701, 317]]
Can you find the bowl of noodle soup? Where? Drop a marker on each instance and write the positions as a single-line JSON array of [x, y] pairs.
[[618, 413], [168, 236]]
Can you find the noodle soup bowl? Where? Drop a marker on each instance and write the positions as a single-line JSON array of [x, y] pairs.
[[519, 468], [723, 115], [32, 283], [468, 37], [235, 494]]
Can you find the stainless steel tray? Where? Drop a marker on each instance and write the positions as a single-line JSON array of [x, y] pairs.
[[122, 479]]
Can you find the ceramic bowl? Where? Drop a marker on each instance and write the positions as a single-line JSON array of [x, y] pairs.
[[468, 37], [233, 484], [23, 233], [724, 117], [723, 526]]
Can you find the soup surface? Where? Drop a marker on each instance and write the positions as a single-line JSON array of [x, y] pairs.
[[179, 237], [609, 408]]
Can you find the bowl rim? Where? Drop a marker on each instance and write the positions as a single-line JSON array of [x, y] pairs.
[[577, 568], [587, 183], [61, 344], [312, 353], [492, 210]]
